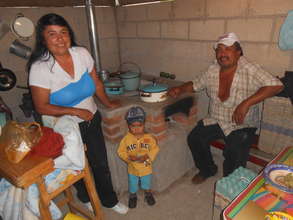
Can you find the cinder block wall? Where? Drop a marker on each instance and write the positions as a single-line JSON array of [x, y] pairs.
[[178, 36], [77, 19]]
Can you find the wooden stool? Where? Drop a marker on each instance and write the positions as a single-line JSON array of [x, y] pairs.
[[32, 169]]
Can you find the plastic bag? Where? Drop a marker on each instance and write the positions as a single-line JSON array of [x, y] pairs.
[[19, 138]]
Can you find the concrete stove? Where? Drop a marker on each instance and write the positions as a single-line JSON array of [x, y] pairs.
[[174, 158]]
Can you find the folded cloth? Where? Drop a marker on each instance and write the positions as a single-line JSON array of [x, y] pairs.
[[50, 144], [73, 156]]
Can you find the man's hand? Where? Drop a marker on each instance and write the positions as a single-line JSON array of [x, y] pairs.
[[178, 90], [240, 112], [174, 92]]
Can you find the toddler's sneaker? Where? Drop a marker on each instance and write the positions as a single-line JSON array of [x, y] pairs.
[[149, 198], [132, 200], [120, 208]]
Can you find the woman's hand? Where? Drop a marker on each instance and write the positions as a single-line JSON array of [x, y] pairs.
[[83, 114]]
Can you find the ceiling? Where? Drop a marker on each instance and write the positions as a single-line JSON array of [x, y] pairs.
[[64, 3]]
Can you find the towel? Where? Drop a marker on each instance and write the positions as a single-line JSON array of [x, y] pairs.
[[286, 33]]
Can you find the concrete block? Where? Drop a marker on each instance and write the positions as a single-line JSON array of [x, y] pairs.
[[159, 11], [206, 30], [279, 22], [251, 29], [175, 29], [226, 8], [120, 14], [161, 136], [270, 7], [127, 29], [188, 8], [105, 14], [136, 13], [148, 29], [107, 30], [268, 56], [109, 53], [187, 59]]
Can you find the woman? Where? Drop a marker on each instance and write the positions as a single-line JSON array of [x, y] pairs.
[[63, 80]]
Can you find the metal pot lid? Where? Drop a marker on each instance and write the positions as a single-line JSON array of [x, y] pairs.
[[7, 80], [154, 88], [129, 75], [22, 26]]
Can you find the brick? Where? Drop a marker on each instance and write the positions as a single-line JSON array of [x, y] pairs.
[[156, 119], [112, 121], [180, 117], [111, 131], [159, 128]]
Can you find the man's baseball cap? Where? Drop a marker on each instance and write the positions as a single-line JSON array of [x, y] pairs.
[[227, 39], [135, 114]]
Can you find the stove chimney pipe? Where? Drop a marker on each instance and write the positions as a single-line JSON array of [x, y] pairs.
[[93, 34]]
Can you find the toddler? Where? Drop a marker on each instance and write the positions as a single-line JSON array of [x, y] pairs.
[[138, 149]]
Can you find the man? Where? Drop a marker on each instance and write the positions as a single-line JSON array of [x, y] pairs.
[[235, 88]]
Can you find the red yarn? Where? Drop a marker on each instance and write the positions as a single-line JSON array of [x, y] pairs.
[[50, 144]]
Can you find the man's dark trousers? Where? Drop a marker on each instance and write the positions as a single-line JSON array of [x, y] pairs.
[[236, 150]]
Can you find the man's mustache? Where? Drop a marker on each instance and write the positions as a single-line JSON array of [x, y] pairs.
[[224, 57]]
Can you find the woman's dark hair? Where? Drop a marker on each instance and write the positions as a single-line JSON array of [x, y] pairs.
[[41, 49]]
